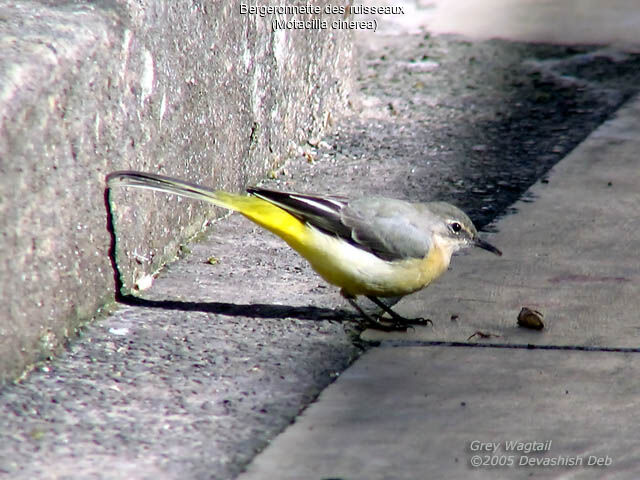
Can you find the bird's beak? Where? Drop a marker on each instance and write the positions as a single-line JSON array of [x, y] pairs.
[[478, 242]]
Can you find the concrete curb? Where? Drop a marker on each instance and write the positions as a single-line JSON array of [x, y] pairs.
[[201, 92]]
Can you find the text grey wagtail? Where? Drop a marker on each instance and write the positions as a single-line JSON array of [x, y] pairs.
[[371, 246]]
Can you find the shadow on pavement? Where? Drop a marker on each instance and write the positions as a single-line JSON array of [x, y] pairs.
[[256, 310]]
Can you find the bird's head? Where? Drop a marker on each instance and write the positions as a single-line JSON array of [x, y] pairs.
[[454, 229]]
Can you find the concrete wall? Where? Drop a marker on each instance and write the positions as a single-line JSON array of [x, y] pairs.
[[190, 89]]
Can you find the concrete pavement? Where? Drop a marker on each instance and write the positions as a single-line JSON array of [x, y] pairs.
[[422, 413], [555, 403], [235, 339], [571, 253], [416, 408]]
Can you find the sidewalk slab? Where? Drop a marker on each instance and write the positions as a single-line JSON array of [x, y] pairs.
[[570, 252], [420, 412]]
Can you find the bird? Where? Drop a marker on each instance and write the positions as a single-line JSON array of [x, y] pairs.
[[372, 246]]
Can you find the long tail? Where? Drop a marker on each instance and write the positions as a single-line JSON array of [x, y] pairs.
[[129, 178], [260, 211]]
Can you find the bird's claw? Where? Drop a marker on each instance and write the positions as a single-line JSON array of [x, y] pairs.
[[399, 325], [480, 334], [387, 326], [419, 321]]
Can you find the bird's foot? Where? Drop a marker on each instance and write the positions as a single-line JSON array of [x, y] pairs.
[[386, 325], [397, 324], [480, 334], [397, 318], [415, 321]]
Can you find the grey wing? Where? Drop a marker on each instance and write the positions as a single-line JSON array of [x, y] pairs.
[[383, 226], [321, 211], [388, 228]]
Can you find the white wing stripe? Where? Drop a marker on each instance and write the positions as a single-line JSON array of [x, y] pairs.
[[318, 205]]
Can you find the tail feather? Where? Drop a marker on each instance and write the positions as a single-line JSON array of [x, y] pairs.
[[173, 185], [258, 210]]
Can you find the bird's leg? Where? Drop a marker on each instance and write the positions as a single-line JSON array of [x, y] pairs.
[[399, 318], [374, 323]]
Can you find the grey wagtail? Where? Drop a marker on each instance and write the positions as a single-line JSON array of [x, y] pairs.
[[371, 246]]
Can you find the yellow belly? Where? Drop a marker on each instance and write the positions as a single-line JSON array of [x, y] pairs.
[[358, 272], [355, 271]]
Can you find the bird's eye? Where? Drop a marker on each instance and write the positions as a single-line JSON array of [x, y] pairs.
[[455, 227]]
